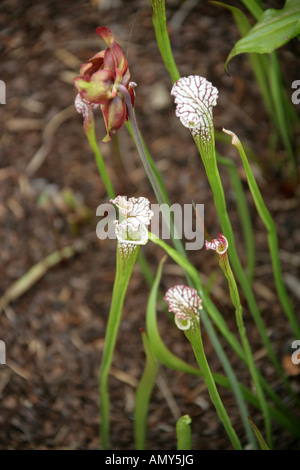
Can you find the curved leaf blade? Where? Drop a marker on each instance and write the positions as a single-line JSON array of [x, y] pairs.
[[274, 29]]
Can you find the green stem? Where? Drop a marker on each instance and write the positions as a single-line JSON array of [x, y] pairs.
[[194, 336], [151, 175], [139, 145], [209, 328], [124, 266], [89, 130], [234, 294], [218, 320], [281, 417], [243, 214], [154, 168], [90, 133], [281, 111], [160, 26], [170, 360], [272, 236], [143, 394], [213, 175], [254, 8]]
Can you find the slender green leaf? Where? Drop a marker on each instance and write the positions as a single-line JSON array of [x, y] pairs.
[[209, 160], [91, 136], [255, 7], [235, 297], [152, 164], [262, 443], [143, 394], [282, 110], [244, 214], [272, 235], [170, 360], [194, 336], [163, 354], [160, 26]]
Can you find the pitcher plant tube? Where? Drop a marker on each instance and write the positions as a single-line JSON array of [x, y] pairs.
[[131, 232], [220, 246], [195, 97], [185, 303]]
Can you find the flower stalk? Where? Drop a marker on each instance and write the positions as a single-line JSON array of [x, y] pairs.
[[86, 109]]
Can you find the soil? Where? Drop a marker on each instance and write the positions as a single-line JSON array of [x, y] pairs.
[[50, 190]]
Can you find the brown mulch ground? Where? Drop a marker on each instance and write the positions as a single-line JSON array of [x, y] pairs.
[[54, 333]]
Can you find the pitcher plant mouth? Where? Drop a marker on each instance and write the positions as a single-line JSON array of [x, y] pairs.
[[195, 97], [220, 244], [185, 303], [135, 216]]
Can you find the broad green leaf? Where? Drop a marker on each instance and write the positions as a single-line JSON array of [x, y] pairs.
[[258, 61], [274, 29]]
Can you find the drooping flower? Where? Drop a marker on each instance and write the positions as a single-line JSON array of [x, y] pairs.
[[98, 83], [135, 216], [220, 244], [185, 303], [194, 98]]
